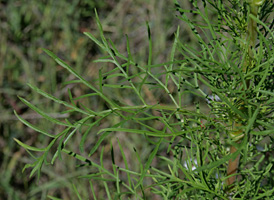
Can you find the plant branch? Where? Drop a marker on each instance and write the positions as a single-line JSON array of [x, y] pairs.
[[237, 131]]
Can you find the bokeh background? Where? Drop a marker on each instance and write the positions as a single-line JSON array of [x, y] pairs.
[[27, 26]]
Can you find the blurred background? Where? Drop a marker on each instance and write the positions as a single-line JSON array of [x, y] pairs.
[[27, 26]]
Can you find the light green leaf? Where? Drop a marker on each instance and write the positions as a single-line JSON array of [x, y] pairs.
[[33, 127], [43, 114], [25, 146]]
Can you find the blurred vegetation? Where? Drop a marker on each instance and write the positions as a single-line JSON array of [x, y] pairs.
[[28, 26]]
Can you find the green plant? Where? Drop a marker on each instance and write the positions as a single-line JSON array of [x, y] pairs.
[[234, 62]]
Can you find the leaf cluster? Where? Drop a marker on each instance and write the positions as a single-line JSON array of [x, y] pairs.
[[195, 140]]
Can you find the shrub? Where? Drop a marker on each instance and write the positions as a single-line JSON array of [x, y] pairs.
[[231, 70]]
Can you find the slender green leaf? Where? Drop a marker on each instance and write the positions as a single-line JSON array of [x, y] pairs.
[[148, 163], [43, 114], [25, 146], [33, 127]]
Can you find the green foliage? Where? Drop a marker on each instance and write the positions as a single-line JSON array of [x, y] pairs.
[[188, 146]]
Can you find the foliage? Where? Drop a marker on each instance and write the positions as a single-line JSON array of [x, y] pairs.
[[226, 63], [59, 25]]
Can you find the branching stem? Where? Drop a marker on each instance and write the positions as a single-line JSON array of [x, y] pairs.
[[251, 37]]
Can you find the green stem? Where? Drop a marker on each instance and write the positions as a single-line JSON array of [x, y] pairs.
[[237, 131], [251, 37]]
